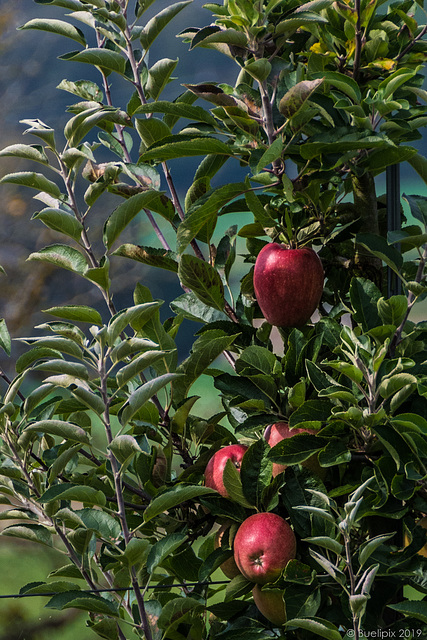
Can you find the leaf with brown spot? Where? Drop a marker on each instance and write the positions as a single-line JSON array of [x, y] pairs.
[[297, 96]]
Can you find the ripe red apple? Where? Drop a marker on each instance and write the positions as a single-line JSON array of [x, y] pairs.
[[274, 433], [216, 465], [263, 546], [229, 567], [270, 604], [288, 284]]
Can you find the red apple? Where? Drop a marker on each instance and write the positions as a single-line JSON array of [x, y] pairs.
[[216, 465], [229, 567], [288, 284], [274, 433], [270, 604], [263, 546]]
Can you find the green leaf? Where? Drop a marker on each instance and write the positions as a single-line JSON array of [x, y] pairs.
[[179, 110], [65, 430], [173, 497], [393, 310], [125, 213], [49, 587], [412, 609], [344, 83], [326, 543], [255, 360], [291, 24], [59, 27], [176, 609], [81, 493], [236, 588], [254, 203], [85, 602], [419, 163], [203, 280], [311, 414], [349, 370], [368, 547], [271, 154], [34, 181], [61, 221], [233, 485], [62, 460], [317, 626], [181, 146], [78, 127], [28, 152], [379, 247], [336, 452], [151, 130], [364, 295], [159, 76], [105, 59], [205, 350], [144, 393], [390, 386], [418, 206], [136, 316], [76, 313], [138, 365], [296, 449], [154, 26], [30, 532], [5, 340], [149, 255], [58, 343], [259, 69], [192, 308], [84, 89], [41, 130], [227, 36], [255, 472], [136, 552], [124, 448], [163, 548], [75, 369], [61, 255], [205, 211], [387, 87]]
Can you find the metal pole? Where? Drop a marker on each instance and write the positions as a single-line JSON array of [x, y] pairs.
[[394, 285]]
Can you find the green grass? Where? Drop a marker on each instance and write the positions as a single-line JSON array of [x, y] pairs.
[[22, 563]]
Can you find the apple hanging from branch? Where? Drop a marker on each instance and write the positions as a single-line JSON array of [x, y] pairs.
[[279, 431], [288, 284], [263, 546], [270, 603], [215, 468]]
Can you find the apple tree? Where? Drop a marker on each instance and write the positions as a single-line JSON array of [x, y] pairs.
[[104, 442]]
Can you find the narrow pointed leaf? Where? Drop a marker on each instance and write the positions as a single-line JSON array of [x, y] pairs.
[[63, 256], [59, 27], [173, 497], [65, 430], [139, 397], [34, 181]]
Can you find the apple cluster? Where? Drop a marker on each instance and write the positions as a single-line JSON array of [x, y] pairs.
[[264, 543]]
